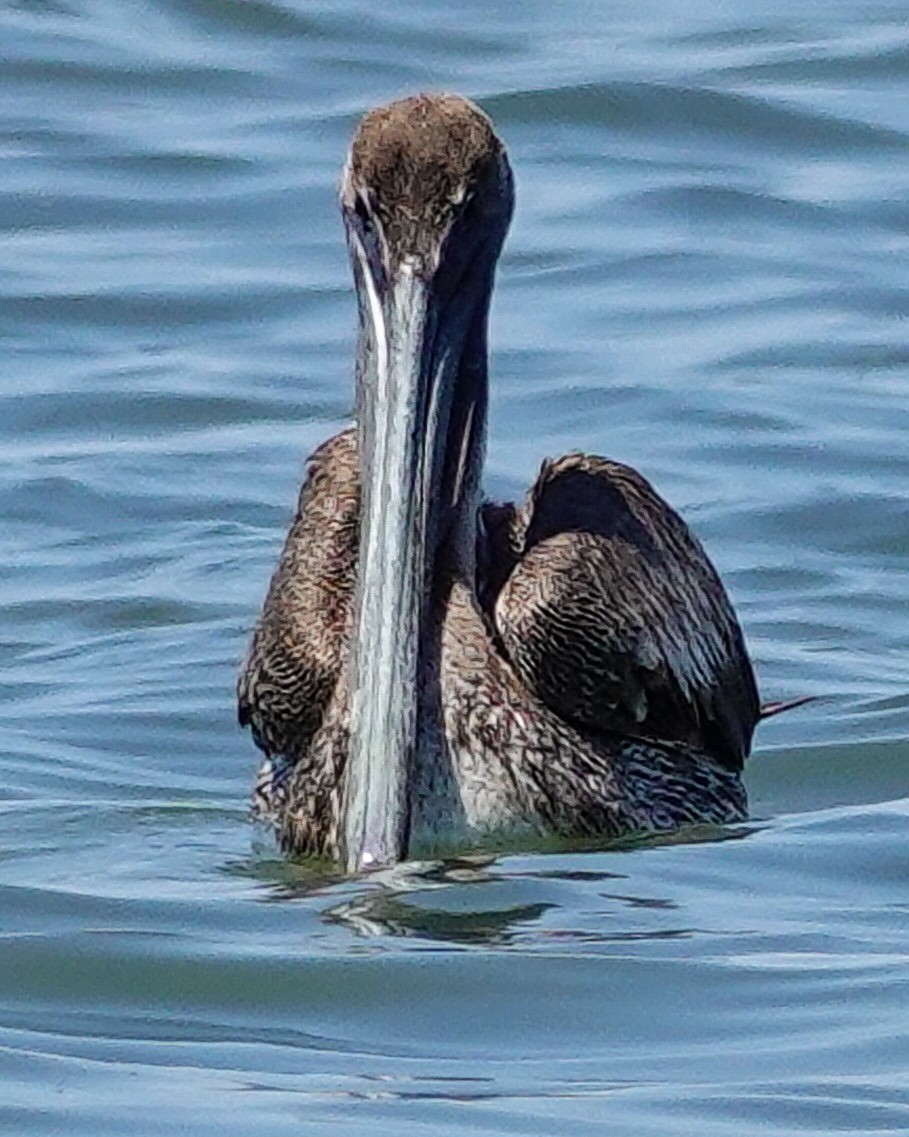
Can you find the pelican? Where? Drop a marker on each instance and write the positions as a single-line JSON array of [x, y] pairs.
[[430, 670]]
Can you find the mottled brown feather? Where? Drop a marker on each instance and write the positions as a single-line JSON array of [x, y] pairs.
[[415, 159], [542, 730], [301, 639], [615, 617]]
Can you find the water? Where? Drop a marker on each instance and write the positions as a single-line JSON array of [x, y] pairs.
[[707, 278]]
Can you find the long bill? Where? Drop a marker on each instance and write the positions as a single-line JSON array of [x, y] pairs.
[[401, 447]]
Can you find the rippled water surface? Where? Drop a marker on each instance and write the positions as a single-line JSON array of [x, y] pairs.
[[706, 277]]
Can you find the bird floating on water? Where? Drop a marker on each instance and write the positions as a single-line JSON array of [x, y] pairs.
[[431, 670]]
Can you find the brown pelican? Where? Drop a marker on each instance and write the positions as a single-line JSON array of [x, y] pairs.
[[428, 669]]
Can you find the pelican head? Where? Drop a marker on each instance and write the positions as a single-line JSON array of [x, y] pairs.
[[426, 198]]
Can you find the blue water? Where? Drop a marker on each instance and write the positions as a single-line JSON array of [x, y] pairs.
[[706, 278]]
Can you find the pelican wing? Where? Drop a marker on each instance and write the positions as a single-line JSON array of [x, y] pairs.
[[612, 613], [301, 638]]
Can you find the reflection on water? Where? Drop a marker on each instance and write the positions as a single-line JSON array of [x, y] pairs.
[[472, 898]]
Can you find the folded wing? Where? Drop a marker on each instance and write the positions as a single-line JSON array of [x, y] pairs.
[[301, 639], [612, 613]]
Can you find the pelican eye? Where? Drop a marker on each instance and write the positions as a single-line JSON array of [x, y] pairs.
[[364, 216], [368, 234]]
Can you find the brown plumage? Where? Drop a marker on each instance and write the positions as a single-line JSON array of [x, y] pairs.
[[575, 664], [602, 561], [415, 159], [301, 639]]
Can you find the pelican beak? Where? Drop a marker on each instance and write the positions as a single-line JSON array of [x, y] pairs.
[[421, 403], [411, 447], [393, 419]]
